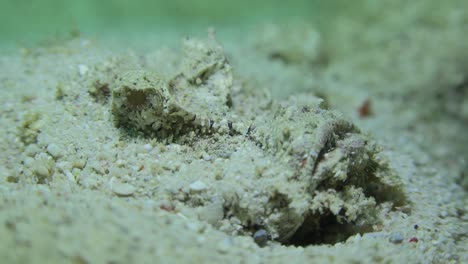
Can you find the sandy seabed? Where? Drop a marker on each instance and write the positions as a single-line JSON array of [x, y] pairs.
[[284, 144]]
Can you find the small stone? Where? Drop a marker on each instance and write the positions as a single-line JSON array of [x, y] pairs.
[[225, 245], [261, 237], [123, 189], [197, 186], [148, 147], [396, 238], [82, 69], [205, 156], [443, 214], [54, 150], [41, 170], [212, 212], [28, 162], [373, 235], [79, 163]]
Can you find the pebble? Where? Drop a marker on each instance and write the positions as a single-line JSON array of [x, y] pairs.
[[225, 245], [82, 69], [443, 214], [41, 171], [261, 237], [79, 163], [211, 213], [148, 147], [197, 186], [205, 156], [373, 235], [54, 150], [123, 189], [396, 238]]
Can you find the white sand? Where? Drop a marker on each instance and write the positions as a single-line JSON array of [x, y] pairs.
[[76, 189]]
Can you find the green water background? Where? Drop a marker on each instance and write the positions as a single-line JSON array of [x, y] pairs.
[[26, 22]]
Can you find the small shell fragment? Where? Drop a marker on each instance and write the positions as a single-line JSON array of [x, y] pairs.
[[197, 186], [123, 189]]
